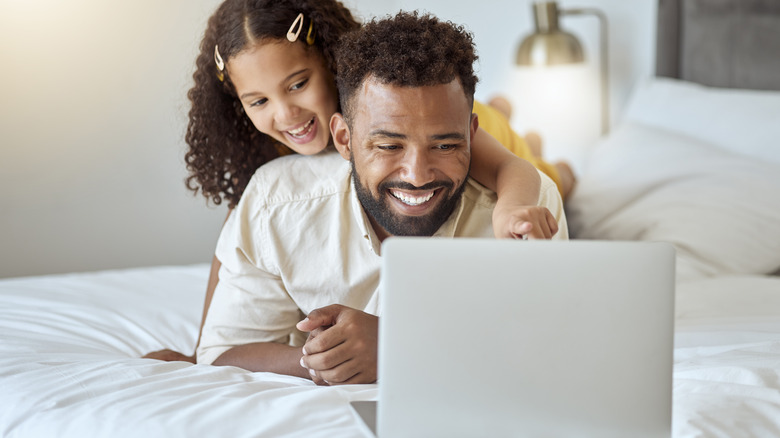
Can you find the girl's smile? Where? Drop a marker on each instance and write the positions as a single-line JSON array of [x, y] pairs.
[[287, 92]]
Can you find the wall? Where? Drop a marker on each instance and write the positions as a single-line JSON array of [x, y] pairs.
[[92, 123], [93, 111]]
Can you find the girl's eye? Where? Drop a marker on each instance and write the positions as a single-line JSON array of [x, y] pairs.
[[299, 85], [259, 102]]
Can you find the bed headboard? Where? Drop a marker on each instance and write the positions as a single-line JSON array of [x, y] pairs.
[[722, 43]]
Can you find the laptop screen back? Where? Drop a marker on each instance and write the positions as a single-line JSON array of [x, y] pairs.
[[484, 337]]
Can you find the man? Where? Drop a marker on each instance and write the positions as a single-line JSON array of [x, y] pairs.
[[305, 238]]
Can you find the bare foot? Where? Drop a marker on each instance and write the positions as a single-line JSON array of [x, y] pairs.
[[170, 356], [568, 180], [534, 141], [502, 104]]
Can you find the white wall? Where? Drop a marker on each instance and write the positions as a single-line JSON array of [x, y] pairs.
[[93, 112], [92, 118]]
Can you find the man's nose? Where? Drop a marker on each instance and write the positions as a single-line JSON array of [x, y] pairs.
[[417, 167]]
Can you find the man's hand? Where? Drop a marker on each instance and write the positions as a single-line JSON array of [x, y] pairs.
[[525, 221], [342, 345]]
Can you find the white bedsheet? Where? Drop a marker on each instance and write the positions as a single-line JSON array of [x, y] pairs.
[[70, 366], [727, 358]]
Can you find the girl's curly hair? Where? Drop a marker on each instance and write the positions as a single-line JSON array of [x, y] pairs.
[[225, 149]]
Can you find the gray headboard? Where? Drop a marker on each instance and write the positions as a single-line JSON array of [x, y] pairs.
[[721, 43]]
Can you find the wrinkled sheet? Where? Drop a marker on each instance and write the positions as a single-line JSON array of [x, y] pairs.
[[727, 358], [70, 366]]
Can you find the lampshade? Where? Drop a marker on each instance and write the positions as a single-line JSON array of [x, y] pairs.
[[551, 48], [548, 45]]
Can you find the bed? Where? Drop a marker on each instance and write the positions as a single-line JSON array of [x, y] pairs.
[[690, 164], [672, 171]]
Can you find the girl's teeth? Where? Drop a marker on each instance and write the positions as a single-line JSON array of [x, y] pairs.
[[302, 130], [411, 200]]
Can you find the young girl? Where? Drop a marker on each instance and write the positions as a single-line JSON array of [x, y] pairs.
[[264, 87]]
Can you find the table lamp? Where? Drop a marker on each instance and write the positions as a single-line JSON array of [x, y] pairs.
[[549, 45]]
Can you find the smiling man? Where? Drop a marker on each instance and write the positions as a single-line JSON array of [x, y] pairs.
[[305, 239], [411, 155]]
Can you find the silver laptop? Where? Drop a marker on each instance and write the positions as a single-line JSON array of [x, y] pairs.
[[500, 338]]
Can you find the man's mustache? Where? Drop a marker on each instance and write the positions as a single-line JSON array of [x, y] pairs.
[[402, 185]]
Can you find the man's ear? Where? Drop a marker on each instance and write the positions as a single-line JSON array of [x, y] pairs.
[[473, 126], [339, 131]]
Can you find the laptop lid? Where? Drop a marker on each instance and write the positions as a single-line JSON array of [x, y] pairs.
[[485, 337]]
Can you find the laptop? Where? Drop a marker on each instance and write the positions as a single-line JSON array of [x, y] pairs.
[[503, 338]]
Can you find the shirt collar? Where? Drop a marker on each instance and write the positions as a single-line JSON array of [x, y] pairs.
[[364, 224], [447, 229]]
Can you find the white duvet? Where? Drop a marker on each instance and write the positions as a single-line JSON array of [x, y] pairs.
[[70, 366]]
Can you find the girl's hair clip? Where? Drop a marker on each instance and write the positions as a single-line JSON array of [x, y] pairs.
[[218, 59], [310, 33], [292, 33], [220, 64], [295, 30]]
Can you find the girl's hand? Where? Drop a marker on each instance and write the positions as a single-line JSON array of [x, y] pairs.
[[170, 356], [523, 222]]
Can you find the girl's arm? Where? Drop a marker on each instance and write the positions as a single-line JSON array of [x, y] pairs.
[[170, 355], [212, 284], [517, 184]]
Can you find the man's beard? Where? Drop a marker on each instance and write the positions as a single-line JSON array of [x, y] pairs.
[[401, 225]]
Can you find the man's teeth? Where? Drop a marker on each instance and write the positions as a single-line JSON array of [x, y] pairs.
[[303, 130], [411, 200]]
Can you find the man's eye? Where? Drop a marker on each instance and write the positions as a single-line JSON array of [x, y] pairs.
[[258, 102], [446, 147], [388, 147], [299, 85]]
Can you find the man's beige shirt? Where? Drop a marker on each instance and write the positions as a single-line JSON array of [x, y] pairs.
[[299, 240]]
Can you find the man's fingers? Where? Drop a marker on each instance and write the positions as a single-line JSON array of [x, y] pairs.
[[340, 351], [316, 332], [328, 359], [317, 379], [340, 374], [349, 372], [324, 316], [331, 367], [324, 340]]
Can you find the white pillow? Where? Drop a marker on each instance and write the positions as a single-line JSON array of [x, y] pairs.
[[719, 209], [742, 121]]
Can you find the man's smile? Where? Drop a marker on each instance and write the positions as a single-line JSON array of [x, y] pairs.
[[413, 199]]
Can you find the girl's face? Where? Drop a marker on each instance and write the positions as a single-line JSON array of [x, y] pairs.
[[287, 92]]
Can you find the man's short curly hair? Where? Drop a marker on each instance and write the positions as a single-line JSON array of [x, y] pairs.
[[406, 50]]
